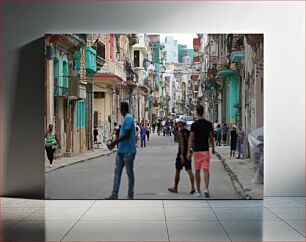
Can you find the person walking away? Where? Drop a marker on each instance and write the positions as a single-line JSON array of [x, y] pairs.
[[137, 134], [126, 153], [240, 140], [224, 133], [143, 133], [201, 131], [148, 131], [233, 134], [95, 134], [158, 127], [181, 159], [153, 127], [218, 135], [51, 141]]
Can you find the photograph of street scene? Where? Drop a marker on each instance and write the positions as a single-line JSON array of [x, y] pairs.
[[154, 116]]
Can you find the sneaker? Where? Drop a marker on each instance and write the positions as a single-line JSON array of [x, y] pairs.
[[111, 198], [130, 198], [50, 166], [206, 193], [197, 194]]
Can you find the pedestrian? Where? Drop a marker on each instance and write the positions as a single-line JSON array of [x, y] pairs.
[[224, 133], [137, 134], [240, 142], [118, 131], [181, 159], [148, 131], [51, 141], [126, 153], [175, 132], [114, 132], [96, 133], [153, 127], [201, 131], [158, 127], [143, 133], [233, 134], [218, 135]]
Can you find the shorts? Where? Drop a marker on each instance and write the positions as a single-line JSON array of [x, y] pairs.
[[233, 146], [179, 165], [201, 159]]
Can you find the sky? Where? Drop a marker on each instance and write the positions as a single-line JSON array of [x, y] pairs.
[[186, 39]]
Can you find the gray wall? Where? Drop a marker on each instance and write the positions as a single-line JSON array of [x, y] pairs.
[[22, 51]]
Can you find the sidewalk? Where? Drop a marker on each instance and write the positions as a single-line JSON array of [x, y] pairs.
[[66, 161], [242, 173]]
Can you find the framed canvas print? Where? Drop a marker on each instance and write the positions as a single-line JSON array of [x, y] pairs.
[[154, 116]]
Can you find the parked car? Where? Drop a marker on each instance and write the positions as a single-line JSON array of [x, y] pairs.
[[177, 117], [190, 120]]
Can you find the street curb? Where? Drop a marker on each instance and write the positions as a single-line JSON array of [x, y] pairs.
[[91, 158], [234, 179]]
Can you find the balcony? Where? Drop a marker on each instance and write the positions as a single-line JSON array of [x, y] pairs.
[[237, 56], [61, 87], [196, 59], [196, 42], [194, 77], [111, 72], [91, 63], [61, 91], [133, 39]]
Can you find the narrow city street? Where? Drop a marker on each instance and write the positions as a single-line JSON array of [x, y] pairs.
[[154, 173]]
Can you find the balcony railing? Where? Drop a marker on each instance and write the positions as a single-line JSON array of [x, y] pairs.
[[61, 91]]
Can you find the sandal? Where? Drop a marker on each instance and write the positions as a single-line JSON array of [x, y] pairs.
[[172, 190]]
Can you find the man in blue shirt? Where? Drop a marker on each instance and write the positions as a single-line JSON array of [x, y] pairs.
[[143, 133], [126, 152]]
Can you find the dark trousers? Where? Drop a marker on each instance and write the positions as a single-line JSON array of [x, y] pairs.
[[50, 153], [143, 141], [148, 135]]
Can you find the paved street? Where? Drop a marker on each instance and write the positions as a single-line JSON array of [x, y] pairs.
[[154, 173]]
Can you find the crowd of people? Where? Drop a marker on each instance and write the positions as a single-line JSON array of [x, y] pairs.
[[194, 142]]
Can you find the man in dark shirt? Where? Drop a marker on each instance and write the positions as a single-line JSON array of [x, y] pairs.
[[181, 159], [233, 141], [201, 131]]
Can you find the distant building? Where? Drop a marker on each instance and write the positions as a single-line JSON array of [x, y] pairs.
[[186, 60], [183, 51], [171, 47]]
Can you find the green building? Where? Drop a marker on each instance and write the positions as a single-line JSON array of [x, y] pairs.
[[183, 51]]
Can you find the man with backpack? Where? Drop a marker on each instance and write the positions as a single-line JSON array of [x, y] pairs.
[[181, 159]]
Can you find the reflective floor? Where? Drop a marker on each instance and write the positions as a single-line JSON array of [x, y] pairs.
[[273, 219]]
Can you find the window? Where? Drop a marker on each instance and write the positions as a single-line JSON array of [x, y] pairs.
[[101, 50], [99, 94], [65, 74], [56, 72], [95, 119], [136, 58]]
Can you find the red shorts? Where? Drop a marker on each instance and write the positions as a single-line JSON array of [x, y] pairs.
[[201, 159]]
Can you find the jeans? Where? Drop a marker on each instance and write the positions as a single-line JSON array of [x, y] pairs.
[[126, 160], [50, 153], [240, 149], [143, 141]]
